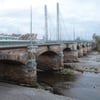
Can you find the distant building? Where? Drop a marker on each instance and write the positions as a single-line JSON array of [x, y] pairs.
[[28, 36], [18, 36]]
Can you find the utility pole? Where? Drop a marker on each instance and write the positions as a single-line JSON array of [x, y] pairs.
[[58, 33], [31, 26], [46, 23]]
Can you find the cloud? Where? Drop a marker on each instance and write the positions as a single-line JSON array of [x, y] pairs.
[[83, 15]]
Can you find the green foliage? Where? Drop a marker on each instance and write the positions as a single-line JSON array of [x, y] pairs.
[[67, 71], [35, 85], [97, 40]]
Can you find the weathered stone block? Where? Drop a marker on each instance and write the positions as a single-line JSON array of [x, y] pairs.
[[85, 51], [20, 74], [71, 56], [80, 52]]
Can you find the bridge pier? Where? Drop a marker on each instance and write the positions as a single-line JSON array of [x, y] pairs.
[[85, 51], [89, 48], [31, 66], [61, 54], [71, 53], [80, 50]]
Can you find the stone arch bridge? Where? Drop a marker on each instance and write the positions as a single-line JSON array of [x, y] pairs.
[[46, 56]]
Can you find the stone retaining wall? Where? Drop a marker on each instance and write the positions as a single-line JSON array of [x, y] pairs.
[[18, 73]]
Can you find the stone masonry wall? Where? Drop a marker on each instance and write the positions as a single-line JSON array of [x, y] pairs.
[[18, 73], [71, 56]]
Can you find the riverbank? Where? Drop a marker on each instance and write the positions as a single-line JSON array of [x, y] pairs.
[[15, 92], [89, 63], [80, 81]]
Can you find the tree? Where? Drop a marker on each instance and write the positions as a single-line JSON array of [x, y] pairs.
[[97, 40]]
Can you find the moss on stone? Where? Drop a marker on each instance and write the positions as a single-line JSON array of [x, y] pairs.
[[35, 85], [67, 71]]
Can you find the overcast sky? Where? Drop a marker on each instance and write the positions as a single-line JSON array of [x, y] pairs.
[[81, 16]]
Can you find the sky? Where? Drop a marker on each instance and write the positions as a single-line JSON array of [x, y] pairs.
[[79, 17]]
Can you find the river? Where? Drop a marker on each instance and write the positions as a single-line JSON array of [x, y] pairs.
[[84, 86]]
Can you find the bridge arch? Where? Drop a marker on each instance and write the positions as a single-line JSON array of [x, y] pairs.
[[48, 60], [11, 70], [15, 71], [67, 50], [78, 47], [7, 61], [83, 46], [41, 52]]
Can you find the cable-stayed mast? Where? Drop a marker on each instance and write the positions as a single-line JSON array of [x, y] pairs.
[[31, 25], [74, 33], [58, 25], [46, 23]]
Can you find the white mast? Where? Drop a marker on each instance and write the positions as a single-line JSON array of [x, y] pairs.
[[46, 23], [31, 25], [58, 34], [74, 33]]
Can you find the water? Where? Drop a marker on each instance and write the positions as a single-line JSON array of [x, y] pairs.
[[85, 86]]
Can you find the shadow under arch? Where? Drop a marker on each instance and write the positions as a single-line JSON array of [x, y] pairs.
[[48, 60], [12, 71], [11, 62], [83, 46], [78, 47], [67, 50]]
